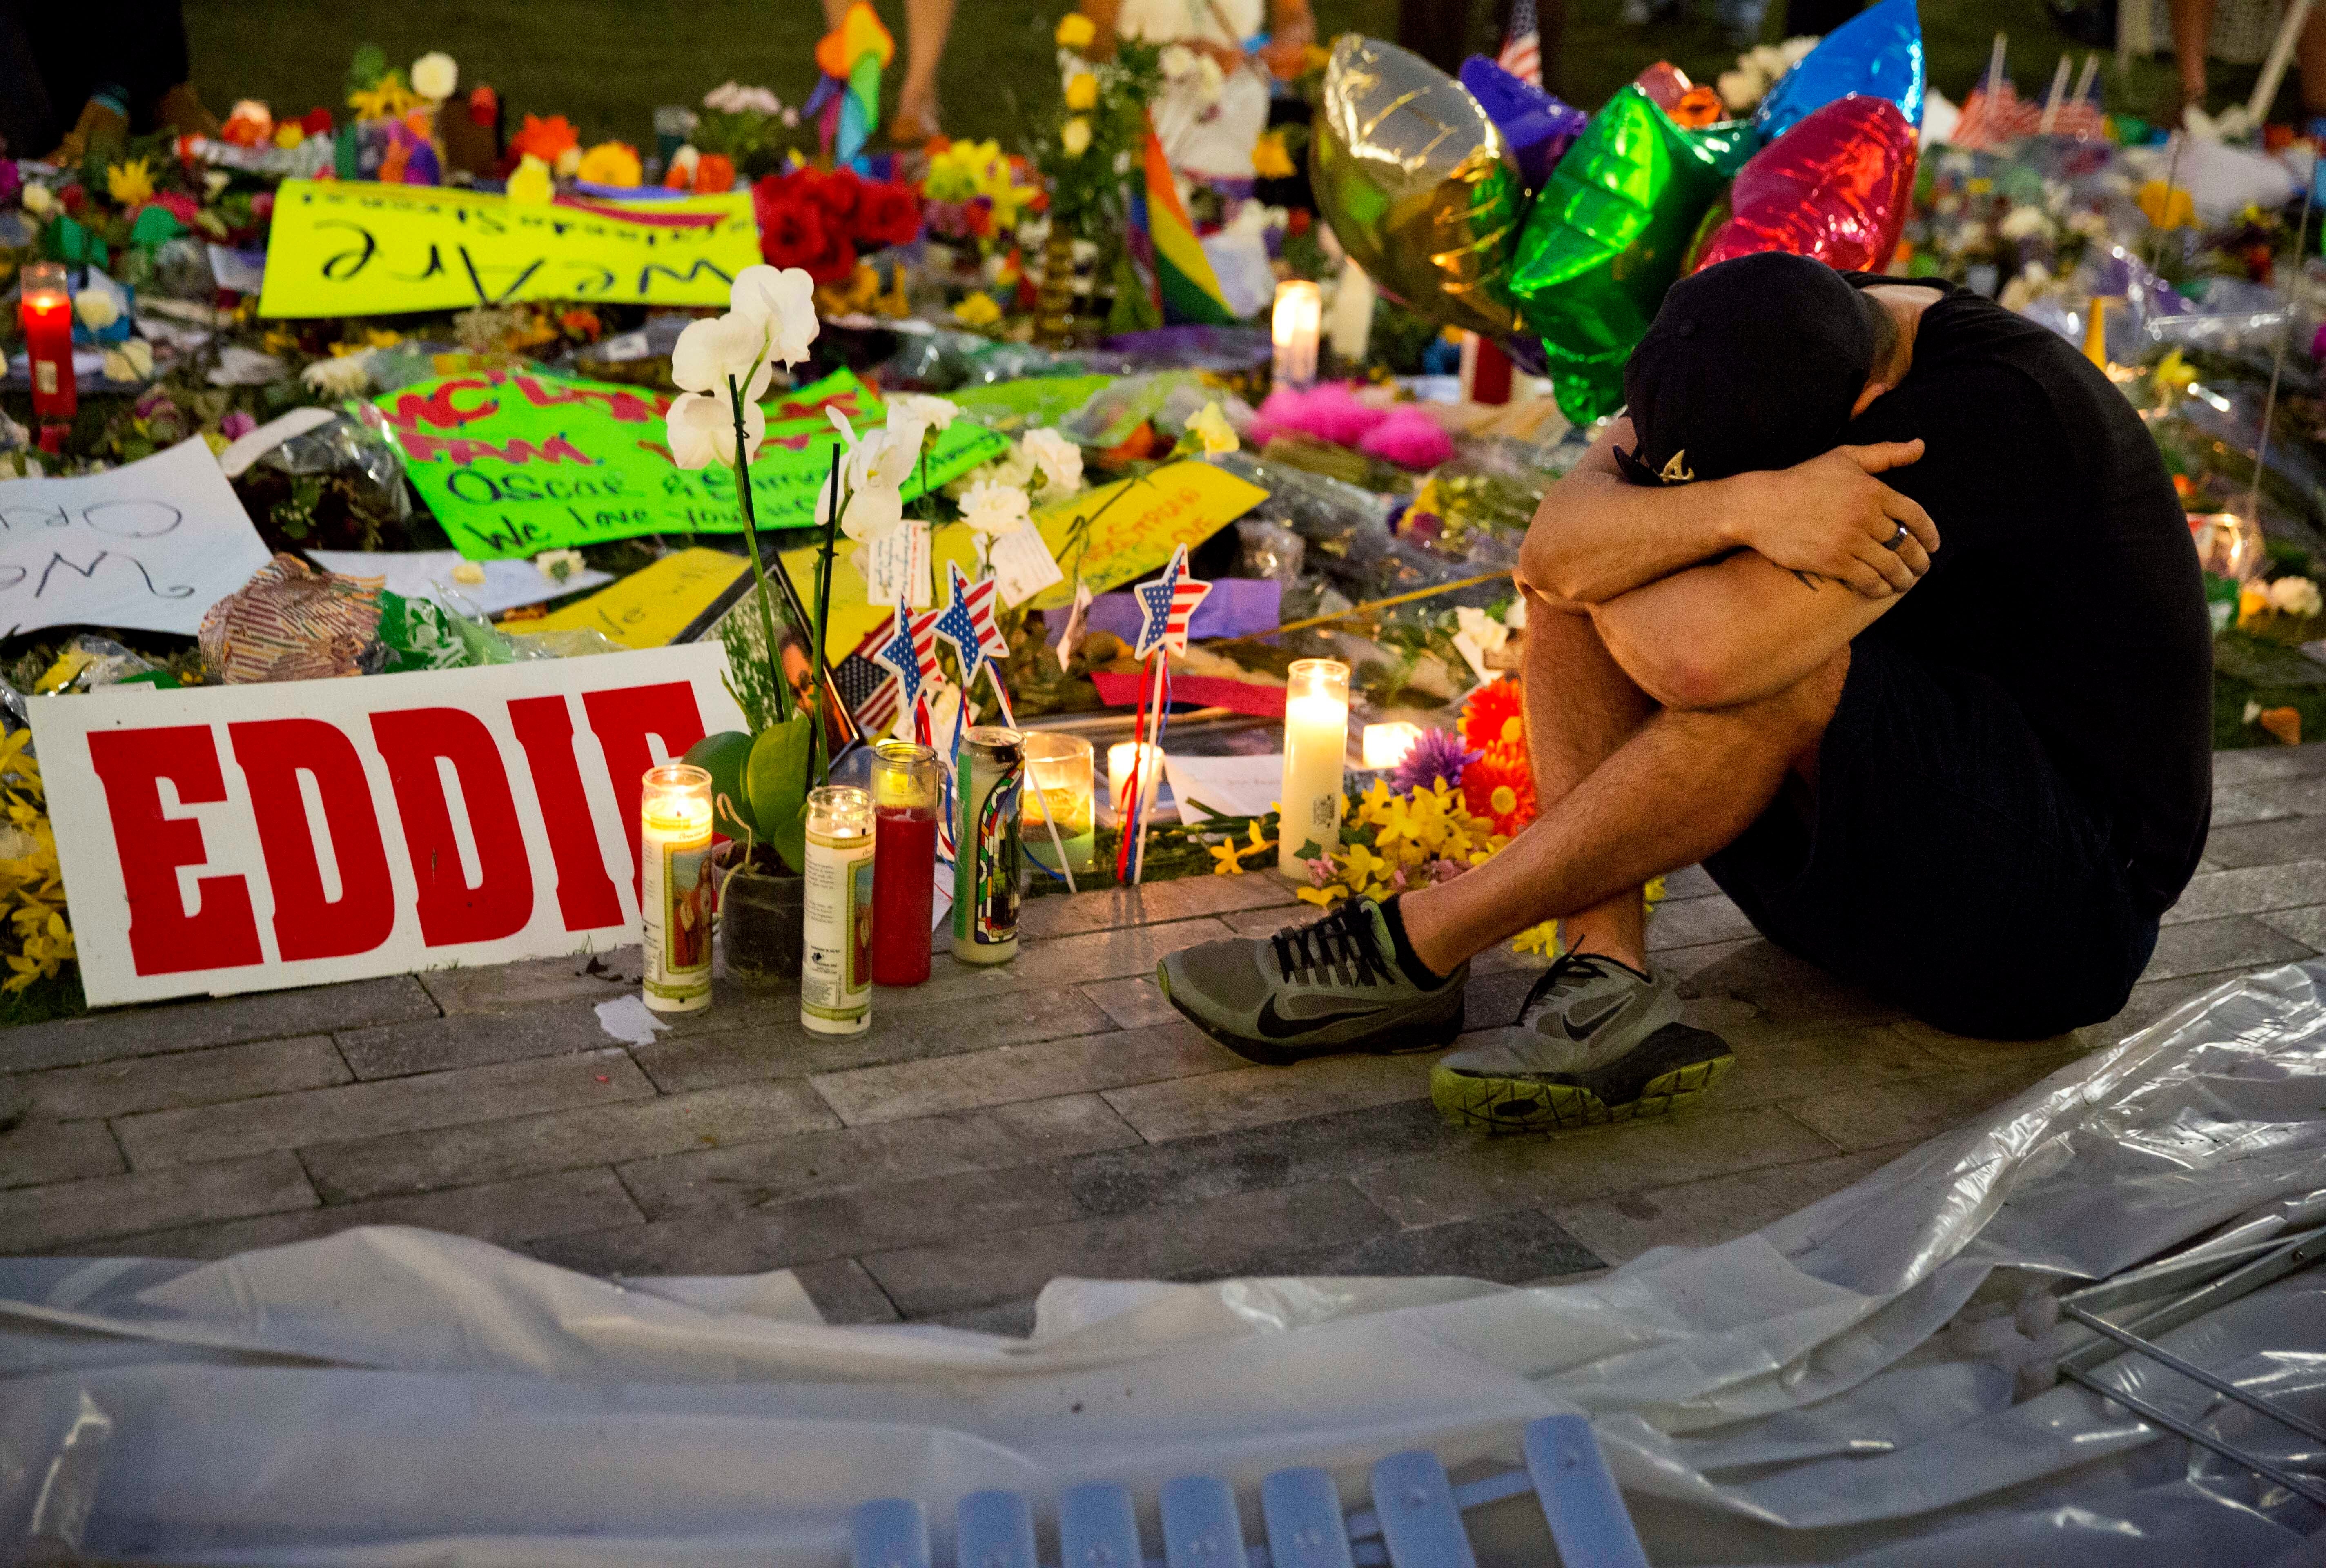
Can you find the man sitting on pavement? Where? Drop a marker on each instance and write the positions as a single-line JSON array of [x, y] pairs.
[[1945, 732]]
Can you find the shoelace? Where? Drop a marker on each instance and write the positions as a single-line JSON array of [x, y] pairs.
[[1340, 945], [1570, 971]]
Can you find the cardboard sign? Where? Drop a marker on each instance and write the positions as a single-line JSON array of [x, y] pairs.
[[517, 464], [150, 545], [655, 605], [1183, 503], [247, 838], [359, 249]]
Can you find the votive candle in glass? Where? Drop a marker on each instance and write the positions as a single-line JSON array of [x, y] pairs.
[[1315, 752], [1385, 745], [1061, 769], [836, 913], [46, 314], [1122, 758], [907, 786], [674, 886], [1297, 320]]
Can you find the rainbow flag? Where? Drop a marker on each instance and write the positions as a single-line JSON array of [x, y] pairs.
[[1185, 287]]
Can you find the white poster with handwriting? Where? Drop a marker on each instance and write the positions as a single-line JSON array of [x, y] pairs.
[[148, 546]]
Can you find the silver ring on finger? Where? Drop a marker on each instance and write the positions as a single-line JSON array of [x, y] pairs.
[[1895, 539]]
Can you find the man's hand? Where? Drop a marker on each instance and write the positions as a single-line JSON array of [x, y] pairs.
[[1830, 517]]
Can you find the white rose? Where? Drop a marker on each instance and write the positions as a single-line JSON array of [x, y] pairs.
[[39, 200], [996, 509], [1059, 460], [97, 308], [2023, 223], [2294, 596], [344, 376], [434, 75], [937, 413], [131, 360]]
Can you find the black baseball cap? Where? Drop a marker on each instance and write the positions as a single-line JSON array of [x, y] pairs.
[[1751, 364]]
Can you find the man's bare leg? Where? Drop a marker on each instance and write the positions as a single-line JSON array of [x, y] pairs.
[[1685, 785], [1580, 708]]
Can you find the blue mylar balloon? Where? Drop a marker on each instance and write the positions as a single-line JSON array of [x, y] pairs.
[[1538, 127], [1878, 52]]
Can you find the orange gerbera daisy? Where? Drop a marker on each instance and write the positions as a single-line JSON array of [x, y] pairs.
[[547, 140], [1494, 716]]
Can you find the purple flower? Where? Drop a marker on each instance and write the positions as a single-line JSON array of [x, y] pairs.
[[1439, 754], [237, 425], [11, 182]]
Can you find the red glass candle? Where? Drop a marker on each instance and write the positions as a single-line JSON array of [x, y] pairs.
[[905, 792], [46, 313]]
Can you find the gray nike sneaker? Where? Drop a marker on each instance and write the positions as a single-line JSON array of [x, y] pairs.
[[1597, 1041], [1312, 991]]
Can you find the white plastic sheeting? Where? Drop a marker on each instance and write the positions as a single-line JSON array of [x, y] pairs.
[[1837, 1387]]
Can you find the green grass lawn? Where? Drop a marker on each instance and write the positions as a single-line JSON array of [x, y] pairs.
[[608, 63]]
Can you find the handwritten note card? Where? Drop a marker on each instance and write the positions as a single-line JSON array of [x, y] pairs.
[[147, 547]]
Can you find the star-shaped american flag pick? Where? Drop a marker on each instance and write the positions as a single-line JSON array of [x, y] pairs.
[[910, 651], [967, 623], [1165, 605]]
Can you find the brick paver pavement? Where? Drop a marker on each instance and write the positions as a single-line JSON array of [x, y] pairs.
[[997, 1127]]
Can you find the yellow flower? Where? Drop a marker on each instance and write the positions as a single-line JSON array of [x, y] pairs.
[[1224, 861], [1075, 137], [531, 184], [1082, 92], [1076, 31], [129, 184], [1271, 158], [289, 134], [1210, 427], [389, 100], [2253, 603], [977, 310], [1539, 939], [611, 164]]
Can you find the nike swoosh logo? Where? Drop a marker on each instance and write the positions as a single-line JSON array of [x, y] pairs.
[[1276, 1026], [1567, 1022]]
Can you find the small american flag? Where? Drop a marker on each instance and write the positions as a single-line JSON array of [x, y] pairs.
[[967, 623], [907, 648], [1165, 605], [1994, 116], [1522, 53], [871, 689]]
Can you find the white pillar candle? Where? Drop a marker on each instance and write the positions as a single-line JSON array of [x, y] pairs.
[[1315, 751], [1385, 745], [674, 892], [1299, 316], [1122, 757], [1350, 329]]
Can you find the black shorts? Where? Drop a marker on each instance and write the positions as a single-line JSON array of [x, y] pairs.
[[1946, 866]]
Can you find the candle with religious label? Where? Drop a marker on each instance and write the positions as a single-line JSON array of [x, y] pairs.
[[1122, 757], [907, 780], [836, 913], [674, 890], [985, 845], [47, 317], [1297, 319], [1316, 750], [1385, 745], [1059, 767]]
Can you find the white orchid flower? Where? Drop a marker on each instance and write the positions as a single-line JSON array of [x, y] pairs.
[[721, 348], [874, 472], [935, 413], [783, 303], [702, 430], [996, 509]]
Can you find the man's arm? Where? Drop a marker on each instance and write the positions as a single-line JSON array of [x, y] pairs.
[[1597, 535], [1733, 631]]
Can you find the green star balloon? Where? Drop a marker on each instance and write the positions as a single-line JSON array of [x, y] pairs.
[[1607, 235]]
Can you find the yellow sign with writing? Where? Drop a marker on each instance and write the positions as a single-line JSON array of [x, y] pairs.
[[652, 606], [350, 248], [1134, 526]]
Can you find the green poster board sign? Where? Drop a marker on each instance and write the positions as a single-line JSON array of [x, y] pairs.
[[513, 464]]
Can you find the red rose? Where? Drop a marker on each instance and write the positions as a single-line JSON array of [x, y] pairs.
[[316, 122], [792, 235], [836, 263], [837, 194], [75, 199], [887, 215]]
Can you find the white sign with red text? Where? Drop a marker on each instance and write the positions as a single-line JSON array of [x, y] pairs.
[[247, 838]]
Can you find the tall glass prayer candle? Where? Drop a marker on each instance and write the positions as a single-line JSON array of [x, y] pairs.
[[674, 892], [1316, 750], [985, 845], [1385, 745], [1122, 757], [906, 782], [1298, 317], [836, 913], [1059, 768], [46, 314]]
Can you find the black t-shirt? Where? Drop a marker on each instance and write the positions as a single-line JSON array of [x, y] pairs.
[[2065, 571]]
